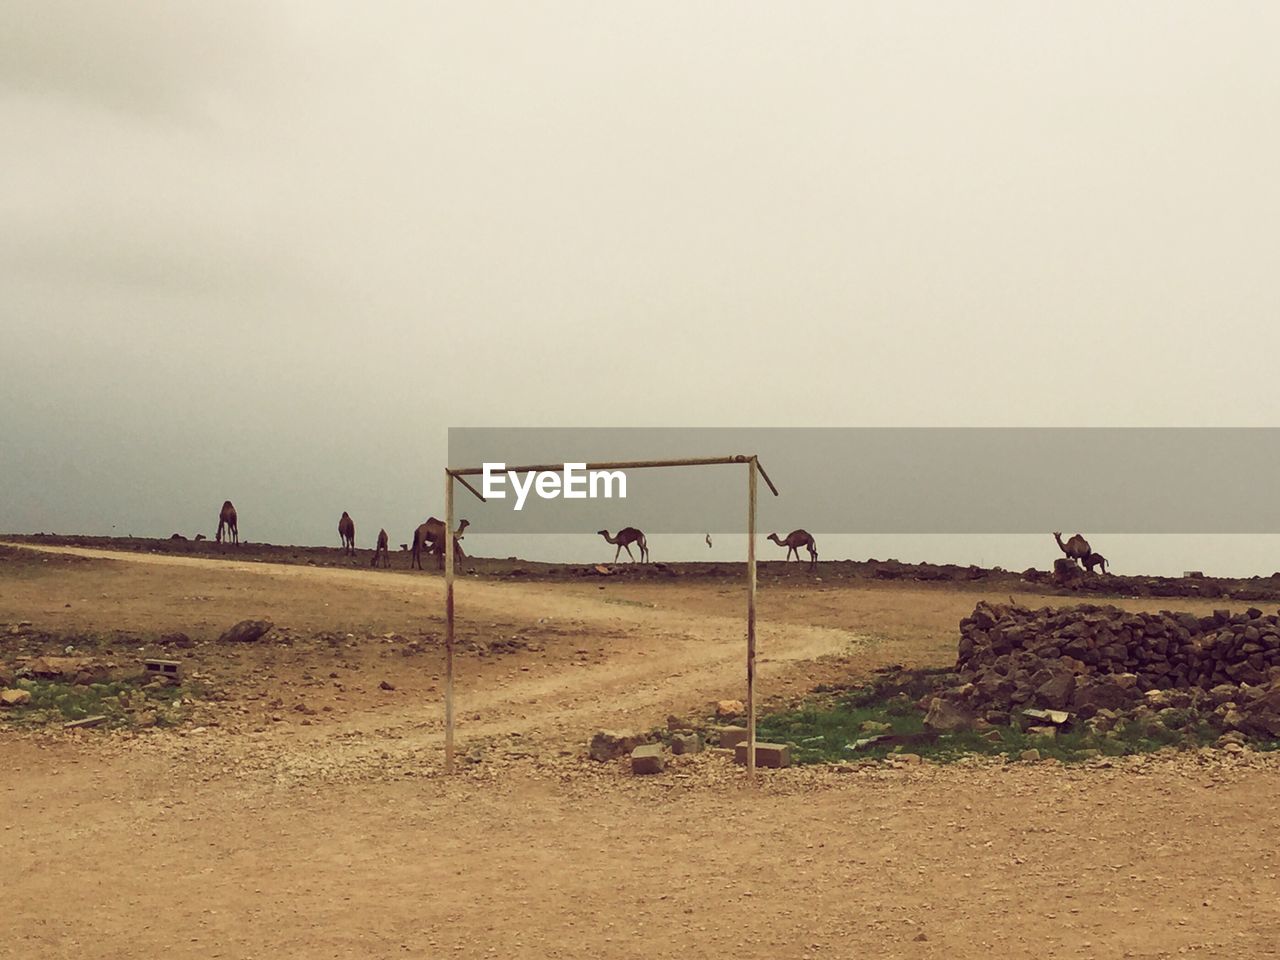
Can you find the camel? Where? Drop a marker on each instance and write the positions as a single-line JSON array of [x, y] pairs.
[[1077, 548], [627, 536], [708, 541], [381, 551], [227, 521], [794, 541], [431, 534], [1093, 560], [347, 531]]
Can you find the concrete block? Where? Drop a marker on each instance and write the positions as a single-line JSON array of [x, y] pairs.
[[774, 755], [647, 758], [163, 668], [684, 743], [732, 736]]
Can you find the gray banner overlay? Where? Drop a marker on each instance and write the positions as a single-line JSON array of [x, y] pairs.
[[894, 480]]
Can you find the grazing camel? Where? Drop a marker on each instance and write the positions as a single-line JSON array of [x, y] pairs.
[[1077, 548], [431, 535], [227, 521], [1093, 560], [708, 541], [347, 531], [381, 550], [794, 541], [627, 536]]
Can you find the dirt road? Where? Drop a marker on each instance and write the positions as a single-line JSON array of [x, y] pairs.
[[341, 839]]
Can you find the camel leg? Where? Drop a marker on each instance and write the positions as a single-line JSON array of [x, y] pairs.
[[617, 553], [627, 547]]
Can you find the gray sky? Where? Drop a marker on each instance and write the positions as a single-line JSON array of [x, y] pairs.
[[271, 251]]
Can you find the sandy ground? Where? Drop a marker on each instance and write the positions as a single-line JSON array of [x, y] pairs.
[[333, 833]]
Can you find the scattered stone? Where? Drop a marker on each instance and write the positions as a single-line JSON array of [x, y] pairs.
[[686, 743], [246, 631], [1056, 717], [874, 726], [729, 709], [612, 744], [386, 685], [946, 716], [14, 697], [1047, 733], [646, 759], [1029, 756], [866, 743], [76, 670]]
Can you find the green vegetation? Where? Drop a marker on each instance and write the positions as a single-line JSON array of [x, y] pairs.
[[125, 703], [823, 729]]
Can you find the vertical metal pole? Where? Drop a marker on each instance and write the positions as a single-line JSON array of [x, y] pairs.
[[751, 619], [448, 622]]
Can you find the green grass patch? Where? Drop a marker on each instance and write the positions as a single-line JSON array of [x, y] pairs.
[[823, 729], [125, 703]]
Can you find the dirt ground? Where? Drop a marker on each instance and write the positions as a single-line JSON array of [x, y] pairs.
[[305, 814]]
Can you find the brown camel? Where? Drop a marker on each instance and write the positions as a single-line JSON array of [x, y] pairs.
[[227, 521], [1094, 560], [794, 541], [1077, 548], [431, 535], [347, 531], [627, 536], [381, 550]]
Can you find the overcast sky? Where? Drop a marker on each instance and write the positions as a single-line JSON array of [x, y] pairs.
[[272, 250]]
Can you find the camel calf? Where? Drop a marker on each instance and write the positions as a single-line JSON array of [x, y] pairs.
[[381, 550]]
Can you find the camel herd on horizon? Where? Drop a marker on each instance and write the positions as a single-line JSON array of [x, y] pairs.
[[429, 537]]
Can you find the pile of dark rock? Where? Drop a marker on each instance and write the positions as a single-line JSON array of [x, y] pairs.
[[1177, 669]]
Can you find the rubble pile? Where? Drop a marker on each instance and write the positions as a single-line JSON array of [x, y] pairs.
[[1179, 669]]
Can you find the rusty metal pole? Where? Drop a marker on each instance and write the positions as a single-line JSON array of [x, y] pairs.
[[448, 622], [751, 619]]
